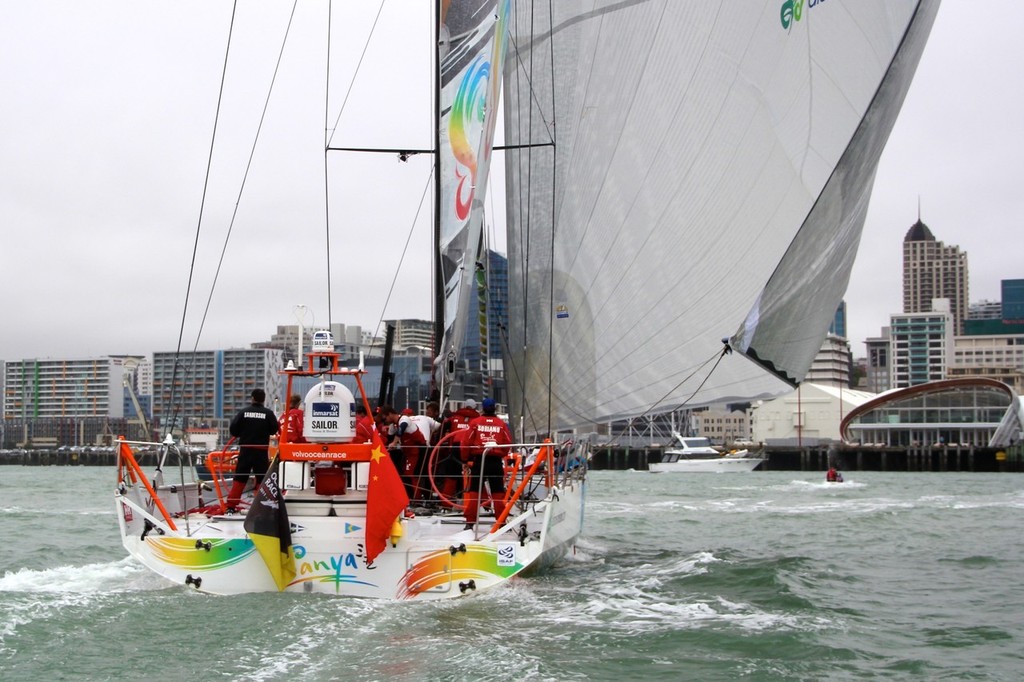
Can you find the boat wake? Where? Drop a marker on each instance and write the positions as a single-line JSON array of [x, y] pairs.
[[125, 575]]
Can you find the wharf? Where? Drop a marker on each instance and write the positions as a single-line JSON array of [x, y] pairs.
[[779, 458], [850, 458]]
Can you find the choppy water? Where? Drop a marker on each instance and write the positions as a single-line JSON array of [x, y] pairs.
[[761, 576]]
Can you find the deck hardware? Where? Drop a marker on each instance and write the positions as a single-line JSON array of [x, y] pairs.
[[150, 526]]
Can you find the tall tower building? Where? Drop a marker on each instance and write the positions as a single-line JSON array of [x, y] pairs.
[[932, 270]]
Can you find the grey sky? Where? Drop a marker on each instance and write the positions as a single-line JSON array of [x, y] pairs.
[[106, 118]]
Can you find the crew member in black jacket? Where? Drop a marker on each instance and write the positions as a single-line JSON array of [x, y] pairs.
[[253, 426]]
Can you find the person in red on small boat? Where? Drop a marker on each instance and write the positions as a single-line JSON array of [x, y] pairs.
[[293, 420], [485, 431]]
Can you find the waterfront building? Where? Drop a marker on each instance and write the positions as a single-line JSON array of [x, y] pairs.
[[722, 426], [933, 271], [996, 356], [976, 412], [920, 345], [809, 416], [206, 385], [66, 387]]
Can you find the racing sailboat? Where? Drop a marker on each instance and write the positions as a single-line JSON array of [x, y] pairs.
[[635, 132]]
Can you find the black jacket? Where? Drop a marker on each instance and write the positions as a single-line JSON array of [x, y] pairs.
[[254, 425]]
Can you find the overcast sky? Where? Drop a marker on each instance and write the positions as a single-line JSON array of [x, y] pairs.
[[106, 117]]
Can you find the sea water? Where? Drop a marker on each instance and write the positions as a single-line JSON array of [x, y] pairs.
[[759, 576]]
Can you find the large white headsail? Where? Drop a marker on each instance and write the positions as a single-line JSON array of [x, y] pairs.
[[703, 160], [473, 39]]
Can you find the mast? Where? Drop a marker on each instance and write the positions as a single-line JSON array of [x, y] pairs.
[[439, 326]]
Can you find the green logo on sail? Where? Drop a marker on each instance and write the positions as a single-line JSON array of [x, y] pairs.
[[792, 10]]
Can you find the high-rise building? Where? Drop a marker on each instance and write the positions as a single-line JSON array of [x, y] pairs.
[[85, 387], [1013, 301], [215, 384], [412, 333], [932, 270], [484, 330], [831, 365], [920, 345], [985, 310], [838, 326], [877, 379]]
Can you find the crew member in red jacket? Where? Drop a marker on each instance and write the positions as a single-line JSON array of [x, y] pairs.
[[365, 425], [292, 421], [449, 469], [485, 431], [406, 434]]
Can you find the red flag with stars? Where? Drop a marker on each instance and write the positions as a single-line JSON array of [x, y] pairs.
[[385, 499]]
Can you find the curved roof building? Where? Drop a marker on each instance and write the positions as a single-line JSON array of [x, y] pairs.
[[969, 411]]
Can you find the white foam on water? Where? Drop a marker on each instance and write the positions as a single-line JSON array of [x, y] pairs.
[[125, 575]]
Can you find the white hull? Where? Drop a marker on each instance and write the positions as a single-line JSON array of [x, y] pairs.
[[434, 558], [704, 466]]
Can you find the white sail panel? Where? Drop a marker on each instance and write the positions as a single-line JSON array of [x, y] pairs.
[[673, 153], [473, 39]]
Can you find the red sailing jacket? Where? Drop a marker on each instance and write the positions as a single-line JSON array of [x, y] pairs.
[[485, 429]]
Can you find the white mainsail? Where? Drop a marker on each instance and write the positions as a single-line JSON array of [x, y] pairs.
[[685, 173], [473, 39]]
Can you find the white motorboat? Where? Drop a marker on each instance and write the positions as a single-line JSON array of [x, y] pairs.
[[698, 455]]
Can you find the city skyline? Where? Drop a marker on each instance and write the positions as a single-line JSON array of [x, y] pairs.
[[101, 176]]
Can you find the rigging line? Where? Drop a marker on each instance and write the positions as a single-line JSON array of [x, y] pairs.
[[530, 91], [721, 354], [526, 229], [551, 252], [245, 175], [202, 206], [585, 419], [327, 184], [355, 72], [525, 71], [405, 249]]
